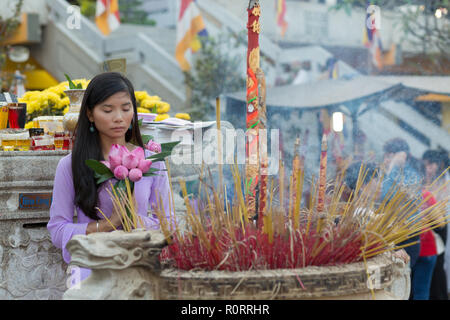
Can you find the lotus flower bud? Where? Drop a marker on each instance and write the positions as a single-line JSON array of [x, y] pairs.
[[120, 172], [135, 175], [144, 165], [153, 146]]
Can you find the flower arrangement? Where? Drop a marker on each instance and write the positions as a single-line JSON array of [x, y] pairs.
[[128, 167], [51, 101]]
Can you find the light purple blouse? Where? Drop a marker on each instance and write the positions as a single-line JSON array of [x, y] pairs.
[[61, 225]]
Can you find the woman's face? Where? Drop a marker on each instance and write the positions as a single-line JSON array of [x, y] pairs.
[[113, 116], [431, 169], [387, 158]]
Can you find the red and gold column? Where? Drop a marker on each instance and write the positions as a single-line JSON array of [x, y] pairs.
[[255, 119]]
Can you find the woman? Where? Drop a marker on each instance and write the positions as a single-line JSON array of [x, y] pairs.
[[108, 116], [401, 169], [370, 172]]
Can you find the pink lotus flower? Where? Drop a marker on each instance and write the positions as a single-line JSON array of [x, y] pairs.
[[144, 165], [121, 172], [130, 161], [115, 156], [153, 146], [139, 153], [135, 175]]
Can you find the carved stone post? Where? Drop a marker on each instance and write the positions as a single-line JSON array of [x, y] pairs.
[[124, 265]]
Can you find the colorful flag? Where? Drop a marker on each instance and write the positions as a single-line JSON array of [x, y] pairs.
[[190, 26], [371, 37], [281, 13], [107, 16]]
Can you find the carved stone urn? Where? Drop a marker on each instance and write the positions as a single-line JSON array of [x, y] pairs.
[[71, 117], [126, 266]]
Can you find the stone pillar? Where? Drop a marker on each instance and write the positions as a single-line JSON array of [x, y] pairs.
[[30, 266], [124, 265]]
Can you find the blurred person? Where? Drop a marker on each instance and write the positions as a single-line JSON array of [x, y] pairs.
[[435, 163], [401, 169], [424, 267], [371, 172]]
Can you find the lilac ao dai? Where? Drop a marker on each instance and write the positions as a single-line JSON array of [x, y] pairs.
[[62, 226]]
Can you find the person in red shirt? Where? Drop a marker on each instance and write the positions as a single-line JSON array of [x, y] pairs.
[[435, 162], [423, 271]]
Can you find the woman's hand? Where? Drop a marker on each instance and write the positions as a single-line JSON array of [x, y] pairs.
[[116, 218]]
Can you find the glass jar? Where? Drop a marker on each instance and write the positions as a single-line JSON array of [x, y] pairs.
[[4, 113], [67, 145], [59, 140], [44, 142], [15, 139]]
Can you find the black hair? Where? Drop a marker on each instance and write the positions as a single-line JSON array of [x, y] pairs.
[[398, 145], [87, 144], [440, 157], [352, 173]]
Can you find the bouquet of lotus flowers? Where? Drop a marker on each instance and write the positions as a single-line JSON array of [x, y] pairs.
[[128, 167]]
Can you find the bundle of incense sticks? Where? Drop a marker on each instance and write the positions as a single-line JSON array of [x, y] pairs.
[[125, 204], [219, 237]]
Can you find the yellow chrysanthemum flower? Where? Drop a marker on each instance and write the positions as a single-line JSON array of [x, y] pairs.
[[148, 104], [66, 109], [52, 97], [64, 102], [142, 110], [140, 95], [29, 95], [33, 106], [29, 125], [184, 116], [163, 108], [161, 117], [59, 90]]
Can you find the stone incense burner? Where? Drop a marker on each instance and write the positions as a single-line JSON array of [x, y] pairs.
[[126, 266]]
